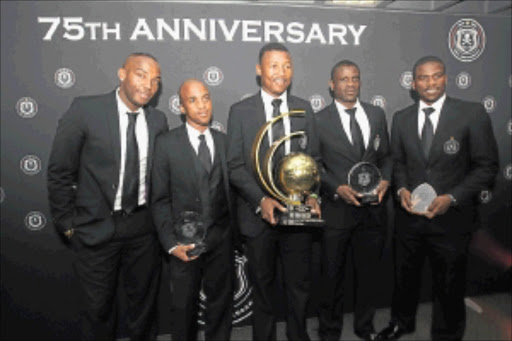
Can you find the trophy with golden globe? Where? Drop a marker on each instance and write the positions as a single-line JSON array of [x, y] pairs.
[[290, 179]]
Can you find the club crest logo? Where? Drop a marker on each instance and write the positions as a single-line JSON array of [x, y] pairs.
[[218, 126], [463, 80], [242, 302], [376, 143], [507, 172], [509, 127], [406, 80], [213, 76], [26, 107], [35, 221], [485, 196], [2, 195], [174, 104], [451, 146], [466, 40], [64, 78], [489, 104], [30, 165], [379, 101], [317, 102], [364, 178]]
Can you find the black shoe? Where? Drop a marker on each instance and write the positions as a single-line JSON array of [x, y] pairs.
[[391, 332], [367, 336]]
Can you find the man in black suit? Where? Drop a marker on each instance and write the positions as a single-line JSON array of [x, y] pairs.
[[449, 144], [190, 174], [98, 184], [265, 239], [349, 132]]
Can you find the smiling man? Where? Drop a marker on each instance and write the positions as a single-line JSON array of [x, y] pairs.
[[98, 182], [266, 240], [449, 144], [190, 174]]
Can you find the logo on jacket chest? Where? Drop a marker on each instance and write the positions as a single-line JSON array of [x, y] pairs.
[[376, 143], [451, 146]]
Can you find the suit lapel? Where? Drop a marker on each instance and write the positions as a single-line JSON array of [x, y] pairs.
[[370, 115], [221, 156], [443, 124], [188, 159], [412, 128], [344, 143], [152, 129], [113, 127]]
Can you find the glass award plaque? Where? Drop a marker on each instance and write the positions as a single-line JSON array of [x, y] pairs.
[[422, 197], [190, 229], [364, 178]]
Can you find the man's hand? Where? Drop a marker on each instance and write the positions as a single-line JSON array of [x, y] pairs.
[[267, 209], [405, 200], [439, 206], [315, 208], [349, 195], [180, 251], [381, 190]]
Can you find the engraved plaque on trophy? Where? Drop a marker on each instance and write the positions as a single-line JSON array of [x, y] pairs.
[[190, 229], [364, 178], [422, 197], [290, 179]]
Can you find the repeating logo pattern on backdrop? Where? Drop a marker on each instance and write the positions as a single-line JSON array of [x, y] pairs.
[[26, 107], [485, 196], [317, 102], [64, 78], [507, 172], [30, 164], [35, 221], [213, 76], [489, 104], [466, 40], [2, 195], [174, 104], [218, 126], [406, 80], [463, 80], [379, 101]]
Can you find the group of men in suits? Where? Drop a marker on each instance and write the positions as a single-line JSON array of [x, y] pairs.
[[116, 172]]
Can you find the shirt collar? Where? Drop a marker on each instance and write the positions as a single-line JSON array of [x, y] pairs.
[[121, 106], [341, 108], [437, 105], [267, 98], [193, 133]]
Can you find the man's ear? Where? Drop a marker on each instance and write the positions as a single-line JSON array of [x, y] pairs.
[[121, 73]]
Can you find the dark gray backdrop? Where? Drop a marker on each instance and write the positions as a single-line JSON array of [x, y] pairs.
[[37, 286]]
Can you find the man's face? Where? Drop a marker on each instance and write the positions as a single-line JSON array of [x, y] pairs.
[[196, 104], [140, 78], [276, 72], [430, 81], [346, 85]]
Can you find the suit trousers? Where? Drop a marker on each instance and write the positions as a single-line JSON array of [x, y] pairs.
[[292, 246], [415, 241], [214, 270], [131, 257], [363, 235]]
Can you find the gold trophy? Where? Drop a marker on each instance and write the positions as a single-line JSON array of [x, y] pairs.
[[296, 175]]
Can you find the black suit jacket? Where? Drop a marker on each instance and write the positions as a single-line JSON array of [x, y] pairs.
[[84, 164], [245, 119], [338, 156], [176, 186], [463, 158]]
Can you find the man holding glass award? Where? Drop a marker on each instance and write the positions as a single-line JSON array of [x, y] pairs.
[[266, 238], [356, 169], [191, 209], [444, 155]]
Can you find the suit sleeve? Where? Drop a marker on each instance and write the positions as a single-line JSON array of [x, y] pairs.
[[483, 157], [385, 161], [239, 176], [398, 154], [161, 199], [328, 182], [63, 166]]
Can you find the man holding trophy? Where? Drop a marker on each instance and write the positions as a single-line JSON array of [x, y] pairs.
[[266, 238], [356, 169], [191, 209]]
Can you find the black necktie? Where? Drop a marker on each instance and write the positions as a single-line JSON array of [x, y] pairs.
[[130, 198], [278, 127], [427, 134], [204, 154], [355, 131]]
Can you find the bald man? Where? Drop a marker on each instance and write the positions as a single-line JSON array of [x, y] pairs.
[[190, 174], [98, 185]]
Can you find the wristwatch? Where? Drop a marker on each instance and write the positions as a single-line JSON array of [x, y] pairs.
[[69, 233]]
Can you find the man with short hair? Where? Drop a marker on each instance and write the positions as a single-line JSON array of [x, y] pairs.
[[98, 184], [350, 132], [190, 176], [449, 144], [265, 239]]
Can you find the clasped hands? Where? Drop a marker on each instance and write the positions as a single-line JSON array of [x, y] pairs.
[[439, 205], [268, 205], [351, 197], [180, 251]]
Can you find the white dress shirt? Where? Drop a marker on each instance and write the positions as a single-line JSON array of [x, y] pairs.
[[269, 109], [361, 119], [141, 133], [193, 136], [434, 116]]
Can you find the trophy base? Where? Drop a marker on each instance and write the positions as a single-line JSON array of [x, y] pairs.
[[369, 199], [299, 215], [197, 250]]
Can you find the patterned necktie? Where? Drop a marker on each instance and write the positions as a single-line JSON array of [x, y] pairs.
[[278, 127], [355, 131], [130, 198], [204, 153], [427, 134]]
